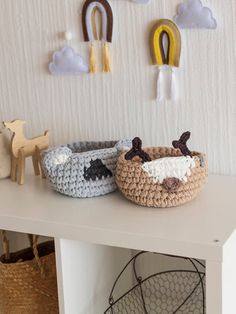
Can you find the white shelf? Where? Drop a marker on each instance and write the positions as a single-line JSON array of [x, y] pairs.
[[81, 226], [188, 230]]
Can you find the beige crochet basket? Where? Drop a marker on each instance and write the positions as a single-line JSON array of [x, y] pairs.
[[139, 187]]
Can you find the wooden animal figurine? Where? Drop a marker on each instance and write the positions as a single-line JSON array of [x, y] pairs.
[[5, 158], [21, 147]]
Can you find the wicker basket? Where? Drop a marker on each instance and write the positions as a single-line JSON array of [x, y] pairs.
[[28, 282], [139, 187], [83, 169]]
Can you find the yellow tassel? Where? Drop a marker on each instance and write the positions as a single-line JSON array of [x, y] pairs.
[[92, 59], [106, 59]]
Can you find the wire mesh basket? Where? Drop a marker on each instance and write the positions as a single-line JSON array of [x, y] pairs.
[[180, 291]]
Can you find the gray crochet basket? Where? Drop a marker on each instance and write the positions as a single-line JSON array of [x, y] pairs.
[[83, 169]]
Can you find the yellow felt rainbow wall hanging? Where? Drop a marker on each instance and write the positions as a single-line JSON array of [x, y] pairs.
[[165, 46], [92, 32]]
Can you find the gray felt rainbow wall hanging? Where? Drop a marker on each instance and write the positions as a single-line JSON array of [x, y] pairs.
[[92, 33]]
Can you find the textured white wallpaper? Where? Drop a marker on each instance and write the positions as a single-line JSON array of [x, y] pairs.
[[121, 104]]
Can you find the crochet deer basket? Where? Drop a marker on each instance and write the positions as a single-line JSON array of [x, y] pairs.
[[161, 176], [83, 169]]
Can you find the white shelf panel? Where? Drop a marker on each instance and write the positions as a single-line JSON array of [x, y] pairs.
[[188, 230]]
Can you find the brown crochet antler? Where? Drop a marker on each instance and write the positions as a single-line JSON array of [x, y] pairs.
[[136, 150], [182, 144]]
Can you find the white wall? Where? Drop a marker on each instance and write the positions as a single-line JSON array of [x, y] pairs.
[[105, 106], [121, 104]]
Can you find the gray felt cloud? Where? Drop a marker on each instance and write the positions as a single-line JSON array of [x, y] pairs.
[[66, 61], [192, 14]]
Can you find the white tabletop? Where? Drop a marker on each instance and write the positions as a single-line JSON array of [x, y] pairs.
[[189, 230]]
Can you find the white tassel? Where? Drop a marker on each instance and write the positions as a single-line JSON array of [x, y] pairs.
[[173, 86], [166, 84], [160, 87]]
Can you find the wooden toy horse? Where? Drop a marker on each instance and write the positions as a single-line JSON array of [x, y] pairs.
[[22, 147]]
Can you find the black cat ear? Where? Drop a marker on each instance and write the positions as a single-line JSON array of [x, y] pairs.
[[130, 155], [185, 137], [182, 144], [137, 143], [175, 144], [136, 150]]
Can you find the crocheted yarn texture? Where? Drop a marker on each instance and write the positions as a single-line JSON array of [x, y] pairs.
[[83, 169], [139, 187]]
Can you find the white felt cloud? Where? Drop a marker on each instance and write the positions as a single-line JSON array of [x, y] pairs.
[[66, 61], [192, 14]]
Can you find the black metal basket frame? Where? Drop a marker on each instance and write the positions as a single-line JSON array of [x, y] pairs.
[[196, 264]]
